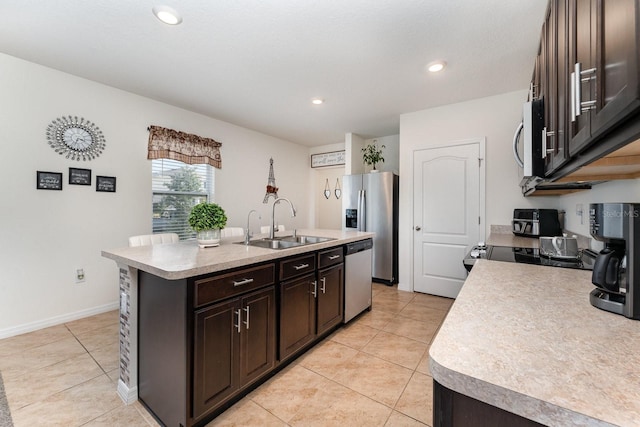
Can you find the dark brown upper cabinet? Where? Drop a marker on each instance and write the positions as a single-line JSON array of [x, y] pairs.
[[603, 67], [554, 46]]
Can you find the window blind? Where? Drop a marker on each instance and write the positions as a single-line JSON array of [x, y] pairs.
[[176, 188]]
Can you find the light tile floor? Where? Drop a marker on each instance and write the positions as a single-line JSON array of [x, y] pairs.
[[372, 372]]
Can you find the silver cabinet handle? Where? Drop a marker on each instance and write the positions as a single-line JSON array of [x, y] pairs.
[[324, 283], [418, 228], [578, 86], [246, 309], [301, 266], [546, 134], [315, 289], [580, 106], [242, 282], [572, 98], [238, 325], [332, 257]]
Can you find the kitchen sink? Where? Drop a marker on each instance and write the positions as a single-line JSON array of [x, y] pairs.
[[287, 242], [305, 240], [273, 244]]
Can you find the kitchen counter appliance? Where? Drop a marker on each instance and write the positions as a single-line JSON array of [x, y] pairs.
[[532, 159], [584, 260], [536, 222], [616, 270], [357, 278]]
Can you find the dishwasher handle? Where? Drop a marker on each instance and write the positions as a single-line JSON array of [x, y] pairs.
[[355, 247]]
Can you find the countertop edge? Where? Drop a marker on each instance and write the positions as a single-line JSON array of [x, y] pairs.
[[510, 400], [258, 255]]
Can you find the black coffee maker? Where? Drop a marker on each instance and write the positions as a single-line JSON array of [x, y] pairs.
[[616, 271]]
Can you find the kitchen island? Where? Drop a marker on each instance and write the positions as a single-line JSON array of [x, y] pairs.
[[199, 327], [522, 345]]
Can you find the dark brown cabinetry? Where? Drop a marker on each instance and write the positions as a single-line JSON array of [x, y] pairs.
[[206, 341], [234, 345], [330, 298], [587, 74], [297, 314], [451, 409], [311, 304], [553, 85], [604, 55], [202, 340]]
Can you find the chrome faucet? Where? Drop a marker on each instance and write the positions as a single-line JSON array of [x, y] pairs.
[[273, 214], [247, 235]]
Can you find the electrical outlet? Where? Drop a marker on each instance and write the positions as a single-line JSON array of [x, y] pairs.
[[80, 275], [580, 212]]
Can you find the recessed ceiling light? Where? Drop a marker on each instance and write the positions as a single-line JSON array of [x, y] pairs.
[[436, 66], [167, 15], [317, 101]]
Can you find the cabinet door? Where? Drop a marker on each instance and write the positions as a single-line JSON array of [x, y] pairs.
[[297, 314], [215, 355], [556, 103], [258, 336], [330, 297], [604, 40], [582, 18], [617, 51]]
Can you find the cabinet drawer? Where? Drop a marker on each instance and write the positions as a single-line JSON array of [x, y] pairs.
[[330, 257], [230, 284], [297, 266]]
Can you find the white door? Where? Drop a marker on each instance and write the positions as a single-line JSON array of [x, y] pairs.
[[448, 186]]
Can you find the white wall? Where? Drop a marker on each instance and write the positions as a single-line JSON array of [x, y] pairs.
[[46, 235], [495, 118], [627, 190], [327, 212]]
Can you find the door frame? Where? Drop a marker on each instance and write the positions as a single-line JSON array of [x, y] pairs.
[[481, 142]]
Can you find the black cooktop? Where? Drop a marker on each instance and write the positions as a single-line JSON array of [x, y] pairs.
[[528, 256]]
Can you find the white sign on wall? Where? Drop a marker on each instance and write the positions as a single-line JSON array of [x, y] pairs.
[[333, 158]]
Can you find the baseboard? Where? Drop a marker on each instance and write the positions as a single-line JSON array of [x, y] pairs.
[[128, 395], [57, 320]]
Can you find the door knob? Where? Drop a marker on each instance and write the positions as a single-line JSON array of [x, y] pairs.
[[418, 228]]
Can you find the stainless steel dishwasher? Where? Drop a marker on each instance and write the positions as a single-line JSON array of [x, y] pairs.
[[357, 278]]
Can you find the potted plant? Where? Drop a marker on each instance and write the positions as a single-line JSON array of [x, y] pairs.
[[207, 219], [372, 155]]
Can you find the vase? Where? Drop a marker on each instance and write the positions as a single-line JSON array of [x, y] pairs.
[[208, 238]]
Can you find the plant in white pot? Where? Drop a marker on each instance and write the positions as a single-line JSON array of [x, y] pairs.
[[207, 219], [371, 155]]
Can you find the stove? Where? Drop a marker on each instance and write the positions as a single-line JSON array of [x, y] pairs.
[[584, 261]]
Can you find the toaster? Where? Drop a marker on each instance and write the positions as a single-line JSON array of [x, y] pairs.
[[536, 222]]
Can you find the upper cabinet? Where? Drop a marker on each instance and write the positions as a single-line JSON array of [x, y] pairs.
[[587, 74], [603, 52], [553, 86]]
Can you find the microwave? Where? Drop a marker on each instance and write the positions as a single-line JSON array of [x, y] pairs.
[[531, 159]]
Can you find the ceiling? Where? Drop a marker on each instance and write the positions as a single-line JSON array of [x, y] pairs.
[[258, 63]]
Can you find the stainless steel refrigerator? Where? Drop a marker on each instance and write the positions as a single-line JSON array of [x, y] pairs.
[[370, 203]]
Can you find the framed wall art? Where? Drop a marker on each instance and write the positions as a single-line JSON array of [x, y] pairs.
[[48, 180], [79, 176], [106, 184], [333, 158]]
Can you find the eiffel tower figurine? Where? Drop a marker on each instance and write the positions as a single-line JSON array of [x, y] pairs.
[[272, 190]]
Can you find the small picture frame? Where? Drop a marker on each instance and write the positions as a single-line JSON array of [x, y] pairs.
[[48, 180], [79, 176], [106, 184]]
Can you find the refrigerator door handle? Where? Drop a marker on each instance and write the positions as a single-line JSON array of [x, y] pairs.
[[362, 210]]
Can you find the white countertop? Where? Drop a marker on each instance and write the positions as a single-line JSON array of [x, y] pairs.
[[525, 338], [184, 259]]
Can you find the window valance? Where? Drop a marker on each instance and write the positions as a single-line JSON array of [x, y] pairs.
[[188, 148]]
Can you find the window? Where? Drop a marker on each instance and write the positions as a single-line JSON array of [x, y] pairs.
[[177, 187]]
